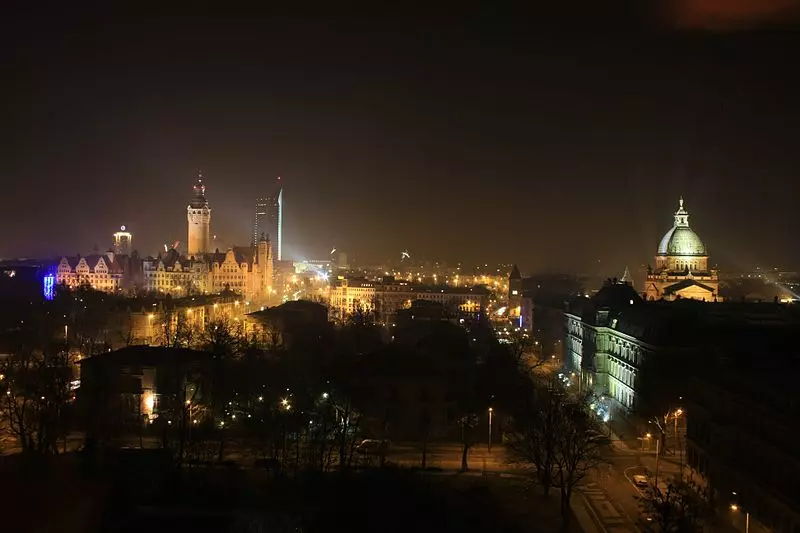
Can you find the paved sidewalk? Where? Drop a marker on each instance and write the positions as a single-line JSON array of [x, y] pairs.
[[605, 515], [580, 506]]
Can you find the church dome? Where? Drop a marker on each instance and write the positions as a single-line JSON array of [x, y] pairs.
[[681, 240]]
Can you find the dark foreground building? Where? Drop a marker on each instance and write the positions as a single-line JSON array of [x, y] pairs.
[[282, 324], [124, 391], [742, 432]]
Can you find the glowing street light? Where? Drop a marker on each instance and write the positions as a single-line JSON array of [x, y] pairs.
[[735, 507], [675, 415], [491, 411]]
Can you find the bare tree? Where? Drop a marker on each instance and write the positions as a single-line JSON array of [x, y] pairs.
[[522, 349], [35, 398], [533, 441], [180, 331], [556, 437], [578, 451], [466, 422], [682, 508], [224, 340]]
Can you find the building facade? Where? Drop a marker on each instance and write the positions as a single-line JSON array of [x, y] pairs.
[[243, 270], [101, 272], [198, 215], [176, 275], [248, 271], [682, 269], [268, 218], [385, 298], [603, 353]]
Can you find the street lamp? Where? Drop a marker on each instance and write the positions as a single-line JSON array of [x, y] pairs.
[[491, 411], [735, 507], [678, 412]]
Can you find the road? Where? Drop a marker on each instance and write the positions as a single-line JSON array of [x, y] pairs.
[[448, 456], [612, 493], [608, 495]]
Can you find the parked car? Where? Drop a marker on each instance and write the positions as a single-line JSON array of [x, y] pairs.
[[372, 447], [641, 481]]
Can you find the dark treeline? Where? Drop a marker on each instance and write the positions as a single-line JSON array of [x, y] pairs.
[[296, 402]]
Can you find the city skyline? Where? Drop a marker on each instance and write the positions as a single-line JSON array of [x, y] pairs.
[[582, 141], [525, 265]]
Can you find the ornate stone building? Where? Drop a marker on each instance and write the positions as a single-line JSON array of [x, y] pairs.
[[101, 272], [244, 270], [385, 298], [176, 275], [682, 269]]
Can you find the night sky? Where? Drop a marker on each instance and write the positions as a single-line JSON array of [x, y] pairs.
[[551, 140]]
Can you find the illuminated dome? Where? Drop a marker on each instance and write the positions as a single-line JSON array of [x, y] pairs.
[[680, 240]]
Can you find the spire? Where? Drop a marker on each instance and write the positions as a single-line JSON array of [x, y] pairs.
[[515, 273], [626, 276], [681, 215], [199, 198]]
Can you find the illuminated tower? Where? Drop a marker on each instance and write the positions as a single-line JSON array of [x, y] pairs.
[[122, 241], [269, 218], [198, 215], [264, 264]]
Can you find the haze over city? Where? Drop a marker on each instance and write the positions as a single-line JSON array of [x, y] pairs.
[[496, 268], [549, 141]]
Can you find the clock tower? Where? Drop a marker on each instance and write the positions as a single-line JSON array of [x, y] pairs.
[[198, 215]]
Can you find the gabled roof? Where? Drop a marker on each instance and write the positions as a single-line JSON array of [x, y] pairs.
[[71, 261], [683, 284]]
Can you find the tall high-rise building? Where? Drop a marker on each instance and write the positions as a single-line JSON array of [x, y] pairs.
[[198, 215], [269, 218], [122, 241]]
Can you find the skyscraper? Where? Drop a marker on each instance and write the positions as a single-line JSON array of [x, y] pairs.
[[198, 215], [269, 218]]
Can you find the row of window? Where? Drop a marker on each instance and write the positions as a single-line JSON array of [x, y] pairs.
[[622, 372]]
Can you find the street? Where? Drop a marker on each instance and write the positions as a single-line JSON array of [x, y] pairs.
[[607, 500]]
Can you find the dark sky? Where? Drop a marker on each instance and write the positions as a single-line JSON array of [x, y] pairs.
[[549, 139]]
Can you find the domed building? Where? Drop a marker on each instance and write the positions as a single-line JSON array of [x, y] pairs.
[[681, 269]]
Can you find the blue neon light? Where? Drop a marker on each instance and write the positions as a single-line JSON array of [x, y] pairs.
[[49, 286]]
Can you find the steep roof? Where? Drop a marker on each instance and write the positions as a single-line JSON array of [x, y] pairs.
[[616, 295]]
